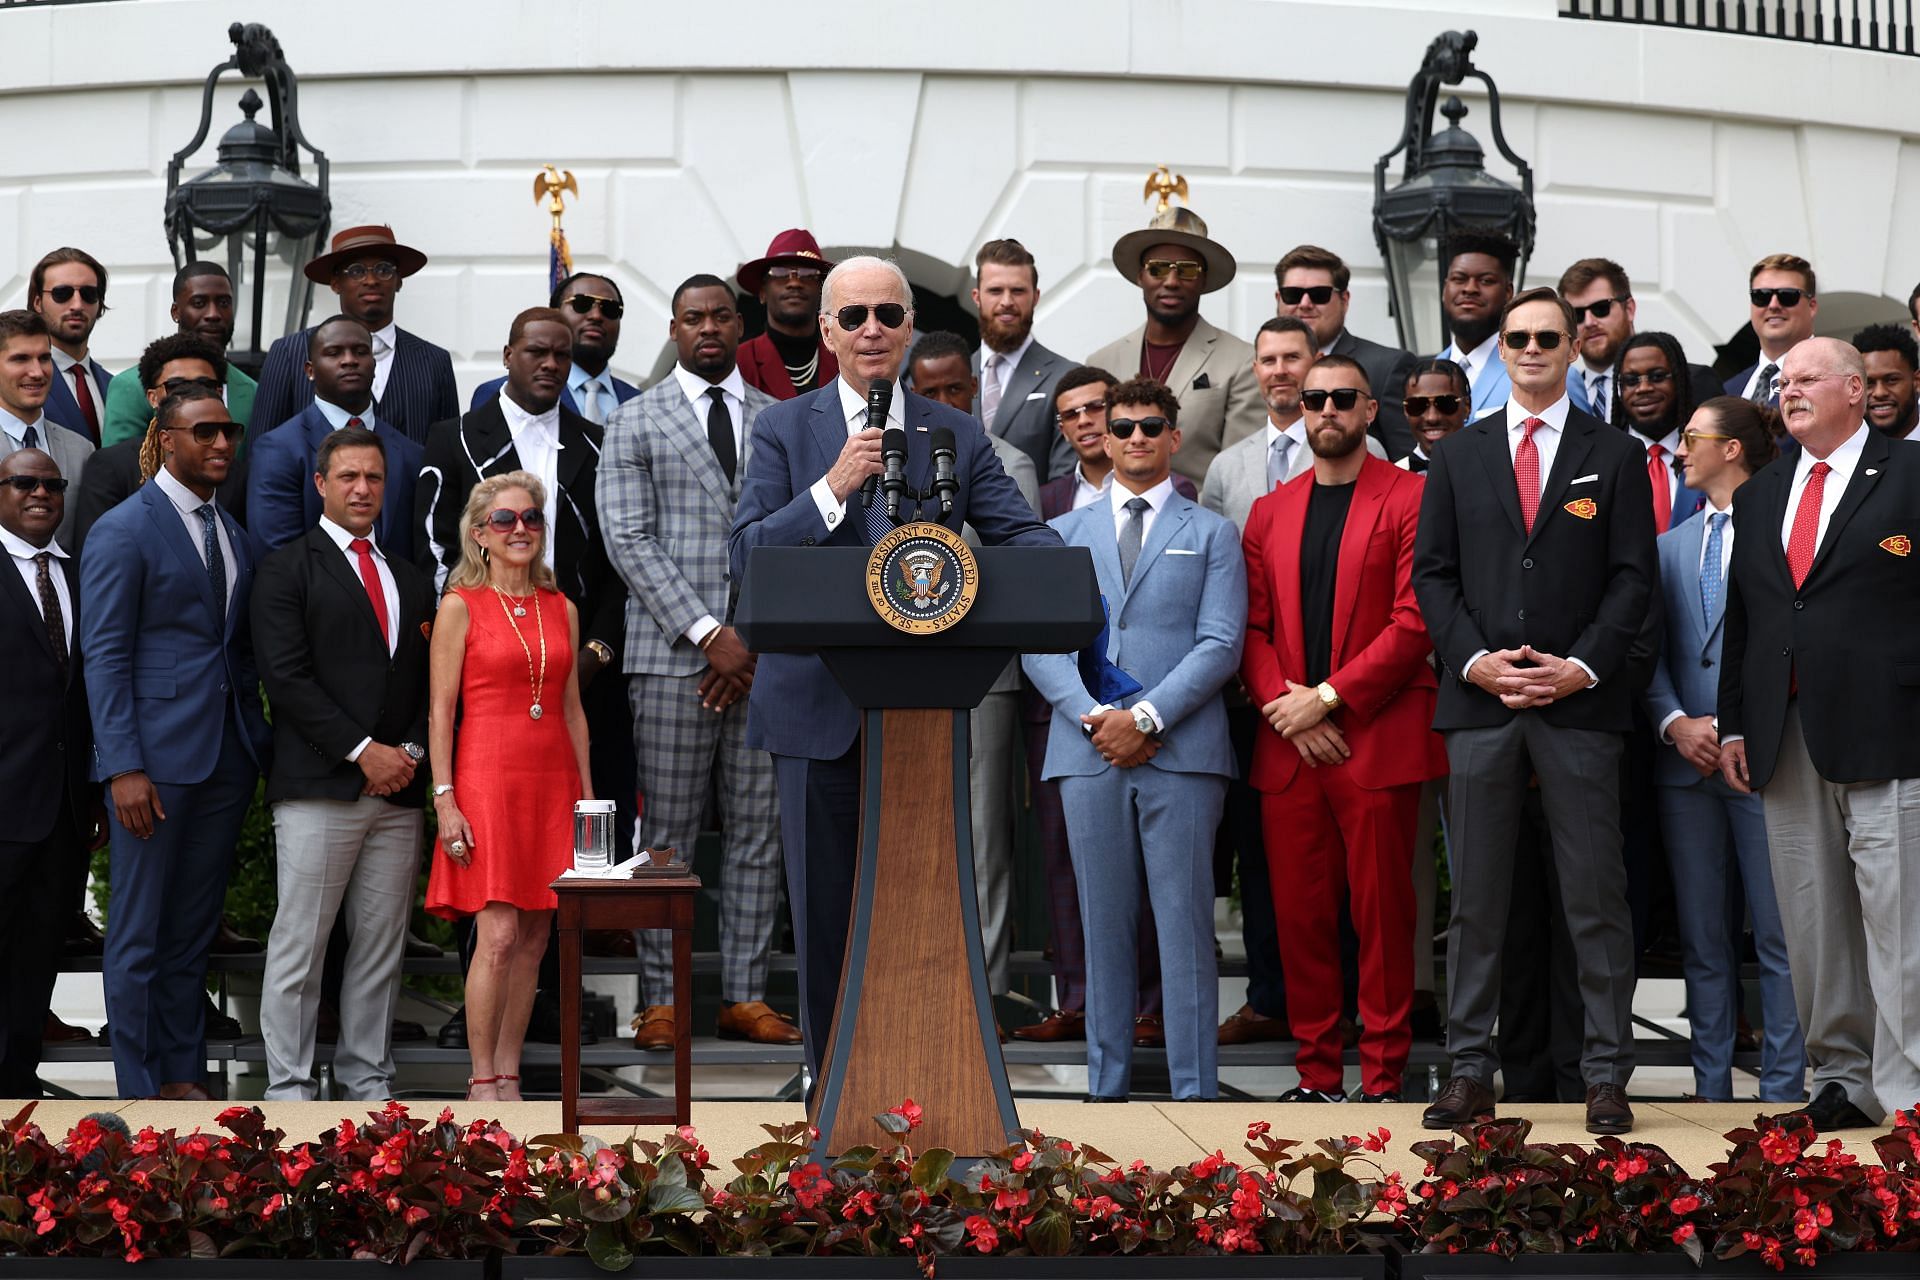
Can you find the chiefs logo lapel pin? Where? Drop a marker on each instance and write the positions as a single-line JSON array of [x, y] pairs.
[[1899, 544], [1585, 508]]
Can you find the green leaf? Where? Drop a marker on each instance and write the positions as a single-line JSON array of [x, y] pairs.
[[894, 1124], [672, 1172], [665, 1199], [1049, 1234], [930, 1170], [594, 1209], [200, 1245], [608, 1251]]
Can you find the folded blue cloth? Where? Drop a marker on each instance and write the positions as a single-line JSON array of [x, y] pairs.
[[1106, 682]]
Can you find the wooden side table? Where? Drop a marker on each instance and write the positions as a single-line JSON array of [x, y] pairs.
[[653, 903]]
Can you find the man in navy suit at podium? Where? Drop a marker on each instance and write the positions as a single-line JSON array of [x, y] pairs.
[[810, 457]]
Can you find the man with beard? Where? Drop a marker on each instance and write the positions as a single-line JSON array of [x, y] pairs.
[[1603, 313], [1017, 374], [202, 306], [1336, 664], [1209, 371], [591, 305], [1892, 359], [1311, 286], [1656, 403], [1475, 287], [790, 358], [68, 290]]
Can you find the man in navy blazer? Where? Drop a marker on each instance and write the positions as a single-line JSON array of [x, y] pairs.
[[592, 307], [68, 289], [179, 737], [809, 458], [282, 502]]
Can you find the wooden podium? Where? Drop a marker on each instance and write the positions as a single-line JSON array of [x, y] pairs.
[[915, 1016]]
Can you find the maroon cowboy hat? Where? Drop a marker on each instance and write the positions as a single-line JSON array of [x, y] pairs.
[[355, 241], [793, 245]]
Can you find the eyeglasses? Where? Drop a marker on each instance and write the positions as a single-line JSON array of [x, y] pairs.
[[1344, 398], [890, 314], [27, 484], [1122, 428], [1692, 438], [1416, 406], [1517, 339], [1185, 268], [174, 386], [1090, 408], [63, 293], [1789, 298], [204, 432], [582, 303], [502, 519], [1652, 377], [1600, 310], [361, 270], [1319, 294], [793, 273]]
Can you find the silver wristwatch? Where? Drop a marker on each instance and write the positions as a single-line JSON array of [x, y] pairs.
[[415, 751], [1142, 720]]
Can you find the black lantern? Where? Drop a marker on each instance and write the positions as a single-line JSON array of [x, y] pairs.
[[252, 211], [1444, 190]]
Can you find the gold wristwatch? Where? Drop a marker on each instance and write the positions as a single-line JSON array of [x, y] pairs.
[[1328, 698]]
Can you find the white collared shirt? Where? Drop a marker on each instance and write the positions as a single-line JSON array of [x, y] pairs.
[[23, 553], [1295, 431], [344, 540], [536, 438], [1707, 513], [188, 503], [1597, 381], [1475, 360], [591, 390], [1085, 493], [853, 411], [733, 394], [1157, 499], [1670, 442], [1753, 379], [1913, 433], [383, 344], [1843, 460], [337, 417], [16, 432], [69, 369], [1003, 366]]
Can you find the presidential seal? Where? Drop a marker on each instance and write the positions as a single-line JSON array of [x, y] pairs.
[[922, 578]]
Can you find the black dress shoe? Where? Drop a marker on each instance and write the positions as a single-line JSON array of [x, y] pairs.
[[454, 1034], [543, 1023], [1388, 1096], [1607, 1109], [418, 948], [1300, 1093], [230, 941], [1831, 1109], [1462, 1100], [83, 937], [405, 1032], [220, 1026]]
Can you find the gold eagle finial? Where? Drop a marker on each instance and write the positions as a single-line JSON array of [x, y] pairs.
[[1165, 185], [547, 186]]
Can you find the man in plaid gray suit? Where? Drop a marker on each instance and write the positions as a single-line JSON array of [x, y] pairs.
[[668, 484]]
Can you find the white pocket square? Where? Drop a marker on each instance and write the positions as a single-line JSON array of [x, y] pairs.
[[1037, 395], [1181, 551], [1584, 479]]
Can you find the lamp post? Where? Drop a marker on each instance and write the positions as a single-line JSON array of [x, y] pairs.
[[253, 212], [1444, 190]]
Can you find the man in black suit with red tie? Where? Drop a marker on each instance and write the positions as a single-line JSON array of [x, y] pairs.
[[1535, 570], [53, 811], [1819, 695]]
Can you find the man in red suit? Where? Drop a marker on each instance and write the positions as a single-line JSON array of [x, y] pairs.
[[790, 358], [1336, 660]]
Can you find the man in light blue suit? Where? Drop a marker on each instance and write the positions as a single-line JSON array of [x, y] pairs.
[[179, 737], [809, 457], [1702, 816], [1143, 786], [592, 307], [282, 502], [1475, 285]]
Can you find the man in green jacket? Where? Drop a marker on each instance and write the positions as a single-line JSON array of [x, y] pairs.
[[203, 306]]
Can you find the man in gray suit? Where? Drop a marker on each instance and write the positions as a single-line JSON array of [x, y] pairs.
[[1143, 785], [668, 483], [1017, 374], [1209, 371], [1311, 285], [26, 379]]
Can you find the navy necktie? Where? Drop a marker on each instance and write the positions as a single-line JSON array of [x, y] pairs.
[[216, 563]]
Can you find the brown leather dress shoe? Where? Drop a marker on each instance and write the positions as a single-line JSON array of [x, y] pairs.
[[1249, 1027], [754, 1020], [1607, 1109], [1067, 1024], [654, 1027], [58, 1032], [1462, 1100], [1149, 1032]]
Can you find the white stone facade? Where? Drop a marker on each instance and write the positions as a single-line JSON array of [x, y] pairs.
[[698, 132]]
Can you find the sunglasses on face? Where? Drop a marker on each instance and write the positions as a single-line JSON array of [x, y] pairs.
[[1344, 398], [204, 432], [793, 273], [174, 386], [1320, 294], [890, 314], [1599, 310], [1652, 377], [63, 293], [1122, 428], [1789, 298], [1090, 408], [361, 270], [1517, 339], [1416, 406], [1692, 438], [583, 303], [502, 520], [1186, 269], [27, 484]]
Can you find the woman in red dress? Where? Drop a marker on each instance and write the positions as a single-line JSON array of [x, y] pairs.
[[503, 647]]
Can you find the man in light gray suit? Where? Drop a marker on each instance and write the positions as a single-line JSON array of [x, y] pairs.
[[668, 483], [1016, 374], [26, 379], [1143, 785]]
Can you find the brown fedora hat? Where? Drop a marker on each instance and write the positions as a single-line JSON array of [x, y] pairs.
[[355, 241], [1179, 226], [795, 246]]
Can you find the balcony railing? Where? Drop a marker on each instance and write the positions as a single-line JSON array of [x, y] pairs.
[[1884, 26]]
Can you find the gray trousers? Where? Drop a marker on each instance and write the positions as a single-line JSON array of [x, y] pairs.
[[359, 856], [1579, 778], [1851, 910], [994, 733]]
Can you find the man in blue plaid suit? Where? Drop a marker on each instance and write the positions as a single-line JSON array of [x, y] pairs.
[[668, 483]]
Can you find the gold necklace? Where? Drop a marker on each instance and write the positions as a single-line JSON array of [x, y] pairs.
[[537, 683]]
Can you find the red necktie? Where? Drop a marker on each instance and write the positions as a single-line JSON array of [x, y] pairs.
[[1805, 537], [355, 422], [370, 577], [83, 396], [1526, 472], [1659, 475]]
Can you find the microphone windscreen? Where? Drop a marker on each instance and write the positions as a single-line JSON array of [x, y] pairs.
[[942, 439], [893, 440]]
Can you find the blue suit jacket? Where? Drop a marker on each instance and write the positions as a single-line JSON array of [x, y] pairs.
[[420, 386], [622, 390], [1177, 628], [797, 709], [1491, 387], [62, 408], [1687, 676], [164, 672], [282, 503]]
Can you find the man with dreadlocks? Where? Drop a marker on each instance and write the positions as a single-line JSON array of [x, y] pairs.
[[1654, 403]]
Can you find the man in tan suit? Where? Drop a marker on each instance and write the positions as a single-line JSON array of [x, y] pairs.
[[1210, 372]]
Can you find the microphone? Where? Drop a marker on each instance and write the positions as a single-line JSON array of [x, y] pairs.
[[893, 451], [879, 400], [96, 1160], [944, 484]]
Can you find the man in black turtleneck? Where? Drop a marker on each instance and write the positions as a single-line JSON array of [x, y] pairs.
[[789, 359]]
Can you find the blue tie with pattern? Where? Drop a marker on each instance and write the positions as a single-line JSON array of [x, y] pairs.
[[216, 563], [1710, 578]]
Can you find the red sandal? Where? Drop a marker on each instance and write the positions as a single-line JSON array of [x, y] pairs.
[[474, 1080]]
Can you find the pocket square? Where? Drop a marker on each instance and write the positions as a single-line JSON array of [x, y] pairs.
[[1200, 383], [1181, 551], [1037, 395], [1584, 479]]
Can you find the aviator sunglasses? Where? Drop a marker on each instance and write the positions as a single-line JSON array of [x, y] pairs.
[[502, 520], [1600, 310], [890, 314], [1122, 428], [582, 303], [63, 293]]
